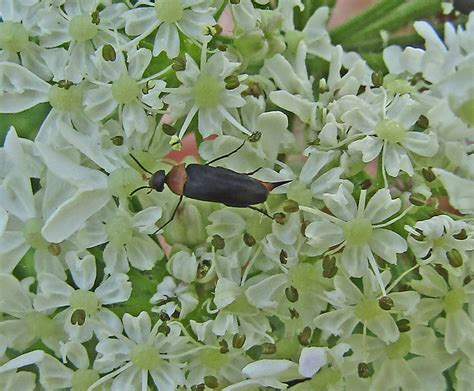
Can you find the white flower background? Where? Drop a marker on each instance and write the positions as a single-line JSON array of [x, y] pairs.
[[361, 280]]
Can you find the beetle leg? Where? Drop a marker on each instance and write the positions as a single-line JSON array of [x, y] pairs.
[[172, 215], [252, 172], [260, 210], [226, 155]]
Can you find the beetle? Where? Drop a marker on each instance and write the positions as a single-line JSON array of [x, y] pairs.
[[213, 184]]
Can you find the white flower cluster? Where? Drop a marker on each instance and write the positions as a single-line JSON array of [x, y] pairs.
[[363, 277]]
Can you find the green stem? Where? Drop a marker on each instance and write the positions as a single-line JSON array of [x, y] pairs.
[[377, 44], [396, 19], [360, 22], [221, 9]]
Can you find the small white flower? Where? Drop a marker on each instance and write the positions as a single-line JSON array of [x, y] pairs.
[[386, 124], [120, 83], [84, 313], [191, 17], [203, 91], [83, 28], [432, 239], [144, 351], [359, 230], [129, 241], [168, 291]]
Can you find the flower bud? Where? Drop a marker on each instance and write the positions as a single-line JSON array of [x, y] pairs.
[[78, 317], [417, 199], [454, 258], [428, 174], [238, 341], [386, 303], [377, 78], [117, 140], [249, 240], [168, 129], [291, 294], [268, 348], [291, 206], [305, 336], [211, 382], [364, 370], [218, 242], [280, 218], [179, 64], [54, 249], [108, 53], [461, 235], [224, 346], [403, 325]]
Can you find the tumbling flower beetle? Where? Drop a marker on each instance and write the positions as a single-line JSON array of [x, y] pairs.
[[213, 184]]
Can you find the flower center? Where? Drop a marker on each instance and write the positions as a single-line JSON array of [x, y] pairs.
[[358, 231], [213, 359], [146, 357], [82, 29], [65, 100], [13, 36], [241, 306], [39, 325], [303, 277], [390, 131], [118, 230], [32, 234], [207, 91], [83, 378], [125, 89], [454, 300], [123, 181], [169, 11], [400, 348], [367, 309], [82, 299]]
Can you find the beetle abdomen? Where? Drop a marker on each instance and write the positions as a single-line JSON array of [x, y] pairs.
[[218, 184]]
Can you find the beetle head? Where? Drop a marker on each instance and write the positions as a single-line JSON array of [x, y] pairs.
[[157, 181]]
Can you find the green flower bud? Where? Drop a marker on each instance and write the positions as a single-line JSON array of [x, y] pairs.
[[454, 258], [403, 325], [305, 336], [386, 303], [108, 53], [224, 346], [291, 294], [117, 140], [377, 78], [254, 352], [268, 348], [417, 199], [179, 64], [238, 341], [428, 174], [211, 382], [364, 370], [249, 240], [218, 242]]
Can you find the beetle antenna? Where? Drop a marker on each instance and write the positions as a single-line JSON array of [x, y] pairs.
[[140, 165], [139, 188]]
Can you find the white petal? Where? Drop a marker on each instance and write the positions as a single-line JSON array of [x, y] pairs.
[[114, 289], [384, 327], [143, 253], [14, 299], [421, 143], [71, 214], [311, 360], [83, 269], [137, 327], [166, 39], [387, 244], [115, 259], [20, 88], [381, 206]]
